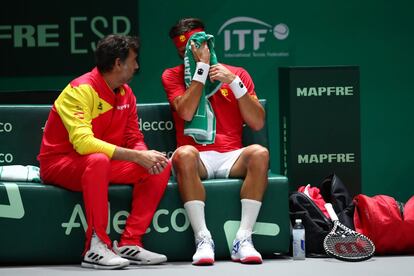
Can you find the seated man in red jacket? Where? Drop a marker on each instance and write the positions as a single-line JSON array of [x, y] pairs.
[[234, 104], [91, 139]]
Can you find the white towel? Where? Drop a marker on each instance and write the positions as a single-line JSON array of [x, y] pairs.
[[20, 173]]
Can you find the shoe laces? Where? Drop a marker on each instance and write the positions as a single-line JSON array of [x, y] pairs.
[[103, 249], [246, 240], [204, 241]]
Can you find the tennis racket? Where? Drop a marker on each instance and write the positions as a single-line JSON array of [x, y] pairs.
[[345, 244]]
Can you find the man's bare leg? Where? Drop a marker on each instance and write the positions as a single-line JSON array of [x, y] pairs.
[[189, 170], [252, 164]]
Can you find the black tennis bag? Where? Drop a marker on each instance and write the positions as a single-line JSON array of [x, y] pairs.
[[317, 225]]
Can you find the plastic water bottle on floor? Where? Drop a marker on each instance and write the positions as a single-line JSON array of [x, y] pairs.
[[298, 246]]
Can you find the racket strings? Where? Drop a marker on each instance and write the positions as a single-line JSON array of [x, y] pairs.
[[346, 244], [352, 247]]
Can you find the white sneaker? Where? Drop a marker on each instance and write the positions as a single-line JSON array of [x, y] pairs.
[[244, 251], [205, 250], [99, 256], [138, 255]]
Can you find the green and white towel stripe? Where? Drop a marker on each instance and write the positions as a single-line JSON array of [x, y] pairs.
[[20, 173], [203, 125]]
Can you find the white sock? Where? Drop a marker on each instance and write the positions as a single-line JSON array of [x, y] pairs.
[[95, 241], [195, 213], [250, 211]]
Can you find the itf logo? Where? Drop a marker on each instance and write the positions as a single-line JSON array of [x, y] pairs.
[[251, 37]]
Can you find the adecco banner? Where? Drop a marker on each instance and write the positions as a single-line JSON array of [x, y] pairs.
[[320, 120], [58, 38], [34, 233], [18, 122]]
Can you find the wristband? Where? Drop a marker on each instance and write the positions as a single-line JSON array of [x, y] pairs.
[[201, 72], [238, 87]]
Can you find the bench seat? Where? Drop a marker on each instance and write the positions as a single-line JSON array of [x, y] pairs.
[[45, 224]]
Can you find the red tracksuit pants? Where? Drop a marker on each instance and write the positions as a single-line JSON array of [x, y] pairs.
[[92, 174]]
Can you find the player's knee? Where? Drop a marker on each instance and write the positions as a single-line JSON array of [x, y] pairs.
[[99, 161], [259, 156], [185, 157], [96, 172]]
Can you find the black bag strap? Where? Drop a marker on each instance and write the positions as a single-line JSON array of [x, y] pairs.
[[333, 190]]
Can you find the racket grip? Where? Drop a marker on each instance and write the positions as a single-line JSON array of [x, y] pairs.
[[331, 211]]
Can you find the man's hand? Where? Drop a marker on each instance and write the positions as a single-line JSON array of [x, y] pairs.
[[154, 161], [221, 73], [201, 54]]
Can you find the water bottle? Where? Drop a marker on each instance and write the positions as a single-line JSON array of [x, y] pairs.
[[298, 244]]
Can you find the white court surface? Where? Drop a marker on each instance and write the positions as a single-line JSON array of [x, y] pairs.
[[377, 266]]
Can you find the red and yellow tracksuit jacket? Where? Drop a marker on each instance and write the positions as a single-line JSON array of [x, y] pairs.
[[88, 117]]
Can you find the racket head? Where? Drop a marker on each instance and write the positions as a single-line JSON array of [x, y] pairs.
[[347, 245]]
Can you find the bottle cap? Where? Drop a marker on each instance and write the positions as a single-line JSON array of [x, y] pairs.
[[298, 220]]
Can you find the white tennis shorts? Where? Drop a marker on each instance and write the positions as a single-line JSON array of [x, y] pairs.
[[218, 164]]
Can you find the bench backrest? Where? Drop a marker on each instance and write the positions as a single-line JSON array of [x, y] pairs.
[[21, 128]]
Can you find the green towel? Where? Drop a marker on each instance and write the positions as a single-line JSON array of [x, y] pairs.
[[203, 125]]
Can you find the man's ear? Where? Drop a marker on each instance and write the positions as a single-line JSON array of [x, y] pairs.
[[117, 63]]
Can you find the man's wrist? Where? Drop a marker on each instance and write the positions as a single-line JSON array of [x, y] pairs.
[[238, 87], [232, 78], [204, 61], [201, 72]]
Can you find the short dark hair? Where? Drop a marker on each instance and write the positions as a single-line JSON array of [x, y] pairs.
[[184, 25], [114, 46]]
